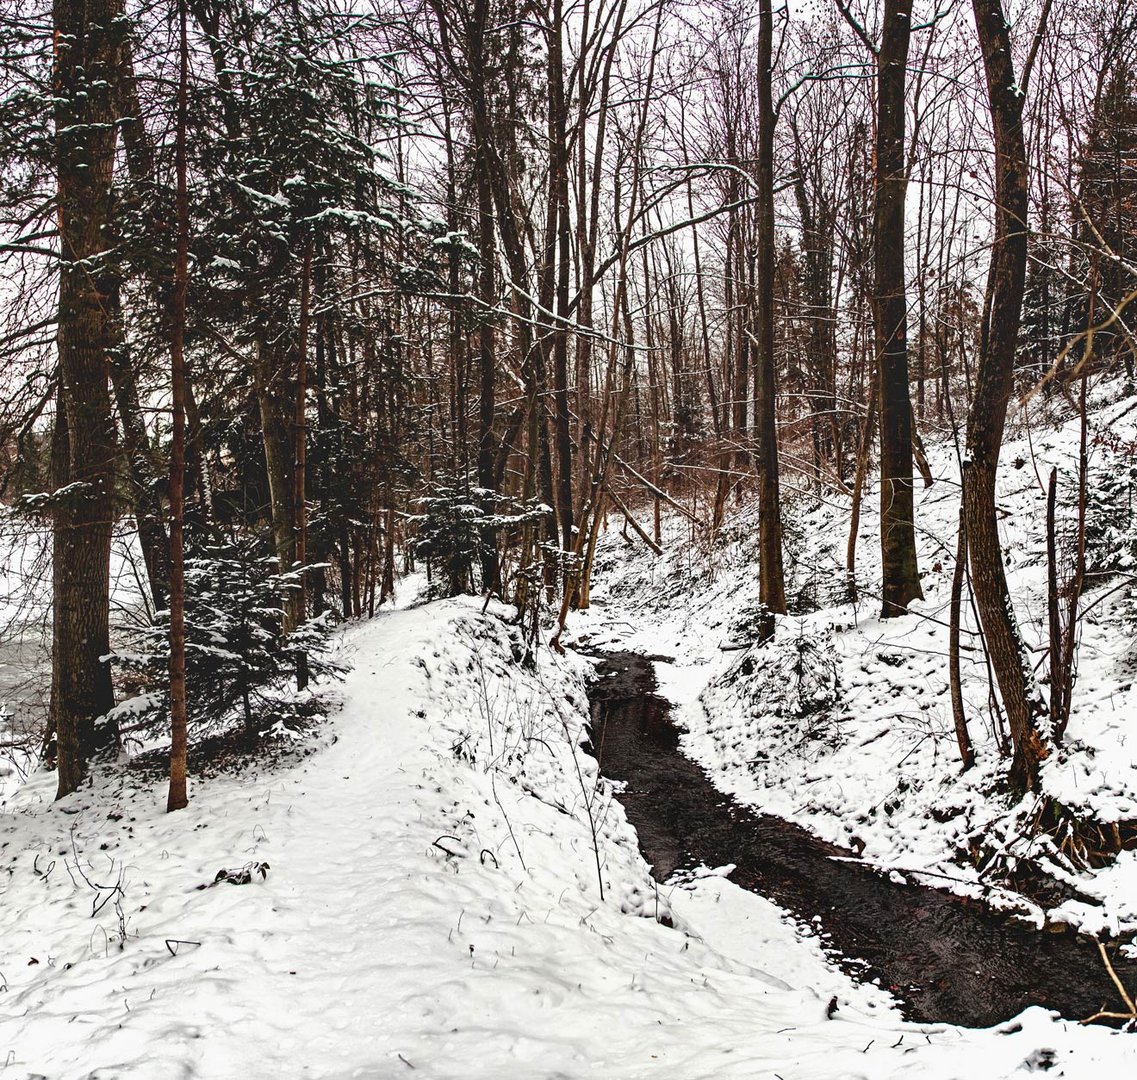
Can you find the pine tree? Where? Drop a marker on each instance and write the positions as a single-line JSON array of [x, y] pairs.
[[238, 663]]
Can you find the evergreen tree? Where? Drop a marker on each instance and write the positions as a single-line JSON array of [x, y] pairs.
[[238, 663]]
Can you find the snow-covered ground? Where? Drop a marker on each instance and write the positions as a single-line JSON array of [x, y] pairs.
[[845, 725], [430, 906]]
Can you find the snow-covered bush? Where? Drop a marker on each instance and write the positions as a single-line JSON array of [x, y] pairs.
[[782, 694], [798, 677]]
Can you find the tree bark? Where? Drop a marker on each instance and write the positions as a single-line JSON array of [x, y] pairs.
[[771, 582], [993, 388], [298, 597], [487, 292], [900, 575], [87, 40], [861, 471], [177, 797], [554, 287], [955, 680]]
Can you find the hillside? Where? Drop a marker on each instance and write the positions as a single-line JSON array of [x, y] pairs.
[[844, 724], [424, 899]]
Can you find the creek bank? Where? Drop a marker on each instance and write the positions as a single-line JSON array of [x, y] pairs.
[[946, 958]]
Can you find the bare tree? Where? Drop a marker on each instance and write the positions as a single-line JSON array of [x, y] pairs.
[[994, 382], [772, 590], [900, 574]]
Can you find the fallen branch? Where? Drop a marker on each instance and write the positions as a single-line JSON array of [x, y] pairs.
[[633, 523], [173, 943], [659, 492], [1102, 1014], [442, 847]]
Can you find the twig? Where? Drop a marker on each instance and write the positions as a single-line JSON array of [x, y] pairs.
[[1103, 1014], [580, 780], [172, 943], [487, 713]]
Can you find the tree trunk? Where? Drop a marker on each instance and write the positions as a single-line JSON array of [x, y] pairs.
[[555, 272], [955, 680], [298, 597], [87, 38], [486, 356], [993, 388], [900, 575], [771, 582], [177, 797], [274, 400], [487, 291], [861, 471]]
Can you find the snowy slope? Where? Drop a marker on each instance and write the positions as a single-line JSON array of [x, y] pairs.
[[431, 908], [870, 761]]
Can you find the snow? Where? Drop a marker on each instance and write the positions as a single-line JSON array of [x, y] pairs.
[[872, 763], [431, 907]]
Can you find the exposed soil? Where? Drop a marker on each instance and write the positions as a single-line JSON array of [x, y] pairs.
[[946, 958]]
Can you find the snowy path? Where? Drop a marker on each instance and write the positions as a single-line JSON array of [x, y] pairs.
[[370, 952]]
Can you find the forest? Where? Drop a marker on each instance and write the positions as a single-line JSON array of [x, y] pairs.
[[483, 342]]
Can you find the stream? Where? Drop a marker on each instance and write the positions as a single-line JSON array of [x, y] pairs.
[[946, 958]]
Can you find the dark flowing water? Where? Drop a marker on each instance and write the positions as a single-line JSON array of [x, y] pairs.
[[946, 958]]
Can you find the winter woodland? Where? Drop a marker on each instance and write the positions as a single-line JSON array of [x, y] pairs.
[[553, 538]]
